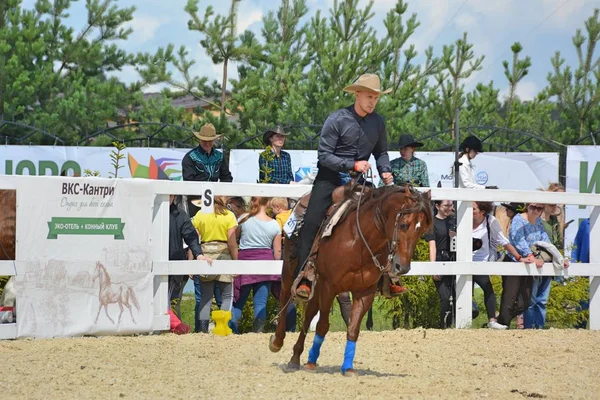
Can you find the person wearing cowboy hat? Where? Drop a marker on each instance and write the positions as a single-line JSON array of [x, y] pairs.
[[408, 168], [204, 163], [274, 164], [469, 147], [348, 138]]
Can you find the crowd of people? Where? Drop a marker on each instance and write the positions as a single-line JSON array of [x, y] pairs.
[[526, 233]]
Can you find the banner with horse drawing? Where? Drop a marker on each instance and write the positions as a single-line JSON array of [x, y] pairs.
[[87, 258]]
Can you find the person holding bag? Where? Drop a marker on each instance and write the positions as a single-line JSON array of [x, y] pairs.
[[217, 232]]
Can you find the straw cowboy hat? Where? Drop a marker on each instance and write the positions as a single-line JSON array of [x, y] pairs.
[[278, 130], [207, 133], [367, 83]]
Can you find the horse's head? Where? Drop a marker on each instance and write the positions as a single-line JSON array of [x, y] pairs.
[[98, 271], [408, 216]]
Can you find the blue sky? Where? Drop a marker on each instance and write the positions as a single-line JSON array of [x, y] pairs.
[[542, 27]]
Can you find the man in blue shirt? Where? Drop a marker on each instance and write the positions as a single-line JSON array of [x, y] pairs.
[[275, 165], [348, 138], [581, 246]]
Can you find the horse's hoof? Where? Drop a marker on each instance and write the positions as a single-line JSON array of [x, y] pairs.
[[292, 367], [350, 373], [310, 367], [272, 346]]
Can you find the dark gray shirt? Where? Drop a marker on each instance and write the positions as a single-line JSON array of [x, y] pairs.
[[346, 137]]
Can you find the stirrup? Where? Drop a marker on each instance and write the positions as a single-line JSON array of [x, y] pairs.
[[308, 273]]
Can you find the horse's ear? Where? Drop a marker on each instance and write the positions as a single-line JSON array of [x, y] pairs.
[[428, 195], [407, 190]]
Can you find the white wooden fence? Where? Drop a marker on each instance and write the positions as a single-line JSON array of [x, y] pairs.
[[464, 267]]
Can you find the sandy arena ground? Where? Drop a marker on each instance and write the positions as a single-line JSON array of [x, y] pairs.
[[478, 363]]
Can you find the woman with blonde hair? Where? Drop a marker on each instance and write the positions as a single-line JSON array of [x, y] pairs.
[[260, 239], [217, 233]]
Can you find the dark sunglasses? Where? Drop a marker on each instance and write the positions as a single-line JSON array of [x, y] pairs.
[[537, 208]]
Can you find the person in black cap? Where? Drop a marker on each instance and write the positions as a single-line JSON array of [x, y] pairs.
[[275, 165], [513, 209], [408, 168], [470, 147]]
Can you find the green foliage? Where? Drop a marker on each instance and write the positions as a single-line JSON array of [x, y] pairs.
[[89, 173], [3, 282], [116, 155], [564, 300], [419, 307]]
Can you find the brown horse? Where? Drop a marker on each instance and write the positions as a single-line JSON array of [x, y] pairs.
[[390, 223]]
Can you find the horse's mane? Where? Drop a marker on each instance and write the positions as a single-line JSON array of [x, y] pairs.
[[376, 197], [106, 276]]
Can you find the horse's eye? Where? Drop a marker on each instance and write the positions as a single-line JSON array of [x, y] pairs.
[[403, 227]]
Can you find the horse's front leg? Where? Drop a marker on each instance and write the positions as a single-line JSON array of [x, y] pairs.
[[98, 313], [309, 313], [361, 302], [276, 340], [326, 298], [106, 312]]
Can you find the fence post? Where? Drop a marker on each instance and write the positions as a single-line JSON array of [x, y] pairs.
[[594, 318], [160, 252], [464, 253]]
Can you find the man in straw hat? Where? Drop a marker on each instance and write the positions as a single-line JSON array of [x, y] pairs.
[[275, 165], [204, 163], [348, 138]]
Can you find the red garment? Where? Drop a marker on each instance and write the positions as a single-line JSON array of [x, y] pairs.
[[178, 327]]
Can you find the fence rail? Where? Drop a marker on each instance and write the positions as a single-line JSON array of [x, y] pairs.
[[463, 268]]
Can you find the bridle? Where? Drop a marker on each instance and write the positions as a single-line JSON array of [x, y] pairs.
[[393, 245]]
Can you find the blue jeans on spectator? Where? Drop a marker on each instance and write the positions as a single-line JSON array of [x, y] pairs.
[[535, 315], [218, 297], [198, 296], [261, 294]]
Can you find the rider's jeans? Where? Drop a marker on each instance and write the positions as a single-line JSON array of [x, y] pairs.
[[320, 200]]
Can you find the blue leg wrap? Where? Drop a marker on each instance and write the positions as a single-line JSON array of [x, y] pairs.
[[315, 350], [349, 356]]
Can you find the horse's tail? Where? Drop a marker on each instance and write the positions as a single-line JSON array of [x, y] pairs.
[[133, 298]]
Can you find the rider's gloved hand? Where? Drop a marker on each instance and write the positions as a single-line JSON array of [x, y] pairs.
[[362, 166]]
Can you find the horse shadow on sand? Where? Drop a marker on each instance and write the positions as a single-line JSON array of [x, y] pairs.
[[335, 370]]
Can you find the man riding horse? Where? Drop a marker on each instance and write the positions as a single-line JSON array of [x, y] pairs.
[[348, 138]]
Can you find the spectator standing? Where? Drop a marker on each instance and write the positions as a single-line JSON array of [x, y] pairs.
[[275, 165], [204, 163], [470, 148], [444, 228], [408, 168], [180, 230], [260, 239], [487, 237], [217, 230]]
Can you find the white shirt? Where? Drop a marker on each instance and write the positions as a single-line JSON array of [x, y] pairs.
[[466, 174], [496, 236]]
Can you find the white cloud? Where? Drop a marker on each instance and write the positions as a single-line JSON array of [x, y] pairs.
[[526, 90], [144, 27], [246, 19]]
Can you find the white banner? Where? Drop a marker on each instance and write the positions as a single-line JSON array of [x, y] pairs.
[[583, 176], [138, 162], [86, 248], [519, 171]]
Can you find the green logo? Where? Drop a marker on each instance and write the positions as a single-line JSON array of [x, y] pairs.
[[85, 226]]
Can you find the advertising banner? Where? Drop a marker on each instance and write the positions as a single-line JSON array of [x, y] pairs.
[[519, 171], [583, 176], [138, 162], [86, 252]]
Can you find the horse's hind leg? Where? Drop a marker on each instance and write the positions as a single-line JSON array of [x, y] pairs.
[[309, 313], [106, 312], [326, 301], [360, 305]]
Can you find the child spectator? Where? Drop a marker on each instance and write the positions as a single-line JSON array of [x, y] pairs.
[[217, 230]]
